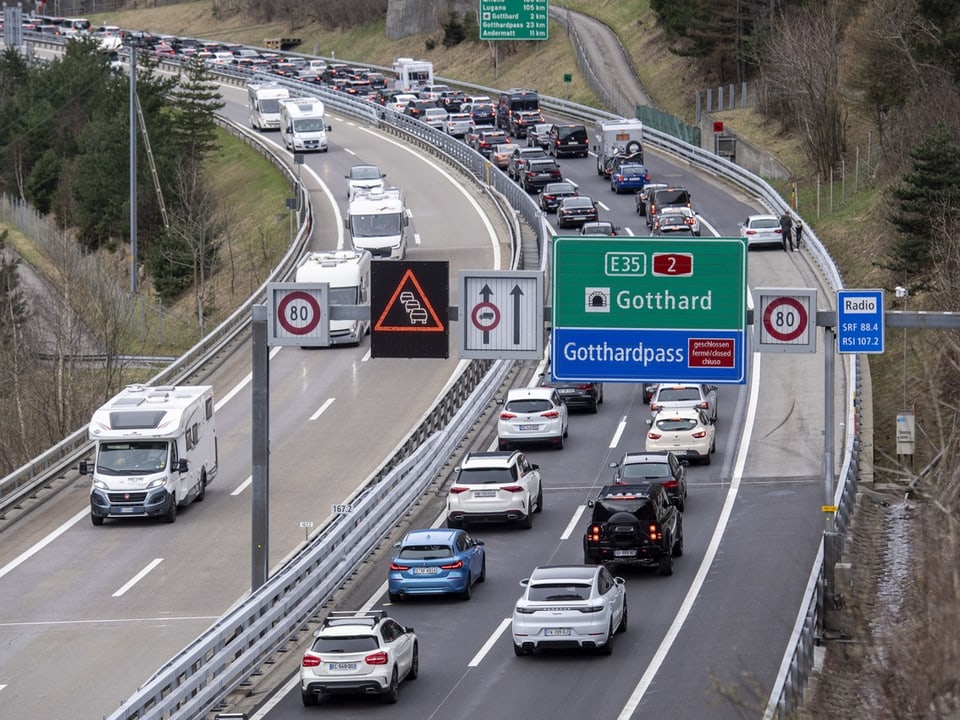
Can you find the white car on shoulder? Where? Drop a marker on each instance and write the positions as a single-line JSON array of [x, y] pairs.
[[495, 487], [569, 606], [686, 432], [354, 653], [534, 414], [675, 396]]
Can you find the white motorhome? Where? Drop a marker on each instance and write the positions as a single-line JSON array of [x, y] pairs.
[[347, 273], [377, 221], [263, 99], [156, 450], [412, 75], [623, 136], [303, 127]]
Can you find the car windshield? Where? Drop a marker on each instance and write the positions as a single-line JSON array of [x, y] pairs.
[[528, 405], [345, 644], [675, 424], [678, 394], [485, 476], [644, 471], [375, 225], [559, 591], [425, 552], [132, 458], [364, 173], [308, 125]]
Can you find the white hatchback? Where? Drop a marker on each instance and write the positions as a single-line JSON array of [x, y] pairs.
[[534, 414], [687, 432], [569, 606], [495, 487]]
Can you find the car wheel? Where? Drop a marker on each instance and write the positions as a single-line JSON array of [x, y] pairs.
[[414, 663], [467, 589], [594, 407], [520, 651], [607, 648], [623, 620], [678, 545], [96, 519], [309, 699], [203, 487], [558, 444], [526, 522], [681, 503], [483, 570], [171, 516], [540, 499], [393, 691], [705, 460], [666, 565], [600, 398]]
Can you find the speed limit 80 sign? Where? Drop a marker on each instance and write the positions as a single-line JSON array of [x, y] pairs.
[[298, 314], [785, 320]]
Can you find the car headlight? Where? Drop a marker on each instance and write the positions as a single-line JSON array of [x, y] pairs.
[[100, 484], [159, 482]]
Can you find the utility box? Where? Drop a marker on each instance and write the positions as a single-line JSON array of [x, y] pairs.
[[906, 434]]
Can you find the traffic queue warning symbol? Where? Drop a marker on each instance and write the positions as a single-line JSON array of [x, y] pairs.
[[502, 314], [409, 305], [784, 320]]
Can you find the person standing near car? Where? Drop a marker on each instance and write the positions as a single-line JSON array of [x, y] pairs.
[[786, 231], [799, 233]]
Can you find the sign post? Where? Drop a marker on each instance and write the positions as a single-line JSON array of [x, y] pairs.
[[649, 310]]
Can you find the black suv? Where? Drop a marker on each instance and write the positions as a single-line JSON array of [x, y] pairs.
[[634, 525], [568, 139], [513, 101], [536, 172]]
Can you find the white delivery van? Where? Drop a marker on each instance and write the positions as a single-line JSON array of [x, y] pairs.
[[302, 125], [156, 450], [412, 75], [377, 221], [347, 273], [623, 136], [263, 99]]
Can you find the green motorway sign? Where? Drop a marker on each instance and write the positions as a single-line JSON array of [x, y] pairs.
[[649, 309], [514, 20]]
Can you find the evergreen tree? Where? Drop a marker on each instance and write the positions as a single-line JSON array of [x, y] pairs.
[[927, 211], [195, 103]]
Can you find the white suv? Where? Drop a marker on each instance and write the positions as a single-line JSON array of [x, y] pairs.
[[495, 487], [359, 654], [532, 414], [672, 397], [569, 606]]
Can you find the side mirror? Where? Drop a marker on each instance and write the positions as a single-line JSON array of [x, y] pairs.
[[182, 465], [591, 503], [84, 468], [346, 223], [408, 629], [649, 421], [329, 128], [613, 464], [534, 466], [524, 582], [477, 541]]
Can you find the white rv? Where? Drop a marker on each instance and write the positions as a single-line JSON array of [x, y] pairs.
[[412, 75], [263, 99], [623, 136], [377, 221], [156, 450], [347, 273], [303, 127]]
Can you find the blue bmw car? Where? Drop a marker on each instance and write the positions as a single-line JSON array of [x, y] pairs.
[[437, 561], [629, 176]]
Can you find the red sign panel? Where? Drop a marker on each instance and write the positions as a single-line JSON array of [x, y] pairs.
[[672, 264], [718, 126], [711, 352]]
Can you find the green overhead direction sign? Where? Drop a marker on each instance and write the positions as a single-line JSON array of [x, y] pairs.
[[514, 20]]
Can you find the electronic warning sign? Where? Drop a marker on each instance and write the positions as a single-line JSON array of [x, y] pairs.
[[409, 304]]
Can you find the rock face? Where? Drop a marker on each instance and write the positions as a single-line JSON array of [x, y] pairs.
[[411, 17]]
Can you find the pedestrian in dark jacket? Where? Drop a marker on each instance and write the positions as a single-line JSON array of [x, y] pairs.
[[786, 231], [799, 232]]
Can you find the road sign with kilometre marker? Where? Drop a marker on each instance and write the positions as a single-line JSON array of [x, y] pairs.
[[785, 320], [649, 310], [502, 314]]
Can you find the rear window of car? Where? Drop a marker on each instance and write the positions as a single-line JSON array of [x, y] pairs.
[[678, 394], [672, 197], [642, 471], [559, 592], [766, 223], [675, 424], [487, 476], [640, 508], [532, 405], [345, 644], [425, 552], [575, 132]]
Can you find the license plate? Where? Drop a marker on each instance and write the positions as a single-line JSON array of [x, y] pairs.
[[126, 510], [557, 632], [624, 553], [484, 493], [529, 427], [341, 667], [425, 571], [566, 391]]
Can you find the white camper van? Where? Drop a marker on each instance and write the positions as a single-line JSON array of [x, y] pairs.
[[412, 75], [156, 450], [377, 221], [302, 125], [263, 99], [347, 272], [623, 136]]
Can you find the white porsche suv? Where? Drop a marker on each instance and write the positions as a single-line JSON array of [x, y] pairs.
[[495, 487]]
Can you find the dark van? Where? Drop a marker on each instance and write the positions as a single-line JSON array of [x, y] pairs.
[[665, 197], [515, 100], [568, 139]]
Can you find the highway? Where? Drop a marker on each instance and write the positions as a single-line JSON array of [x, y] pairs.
[[751, 528]]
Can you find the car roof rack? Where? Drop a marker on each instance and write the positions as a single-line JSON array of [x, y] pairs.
[[349, 617]]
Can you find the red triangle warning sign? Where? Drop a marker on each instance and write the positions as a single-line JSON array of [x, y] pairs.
[[409, 309]]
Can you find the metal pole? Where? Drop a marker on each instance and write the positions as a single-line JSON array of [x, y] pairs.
[[260, 446], [133, 168]]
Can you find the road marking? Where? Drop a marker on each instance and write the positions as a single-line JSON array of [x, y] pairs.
[[629, 232], [243, 383], [350, 151], [602, 206], [574, 521], [323, 407], [619, 433], [416, 238], [27, 554], [481, 653], [138, 577], [708, 226], [243, 486], [684, 611], [366, 355]]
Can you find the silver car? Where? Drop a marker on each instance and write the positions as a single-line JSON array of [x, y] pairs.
[[569, 606]]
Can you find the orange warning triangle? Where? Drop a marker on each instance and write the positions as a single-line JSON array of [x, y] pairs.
[[414, 313]]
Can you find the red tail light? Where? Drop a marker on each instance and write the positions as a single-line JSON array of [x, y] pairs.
[[456, 490], [646, 178], [394, 566], [751, 232], [654, 435], [512, 488], [671, 485], [507, 416], [655, 407], [700, 434], [593, 534], [311, 661], [552, 414], [703, 405], [453, 566], [378, 658], [654, 534]]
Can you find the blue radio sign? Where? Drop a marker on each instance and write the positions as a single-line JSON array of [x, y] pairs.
[[860, 321]]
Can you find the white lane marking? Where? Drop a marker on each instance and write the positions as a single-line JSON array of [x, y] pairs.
[[2, 687], [277, 697], [634, 700], [416, 238], [629, 232], [619, 433], [602, 206], [323, 407], [243, 383], [138, 577], [27, 554], [348, 149], [481, 653], [574, 521], [243, 486], [366, 355], [708, 226], [491, 233]]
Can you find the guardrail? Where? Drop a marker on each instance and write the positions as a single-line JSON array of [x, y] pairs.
[[204, 673]]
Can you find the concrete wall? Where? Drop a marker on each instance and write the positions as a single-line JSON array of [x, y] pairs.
[[748, 156], [412, 17]]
